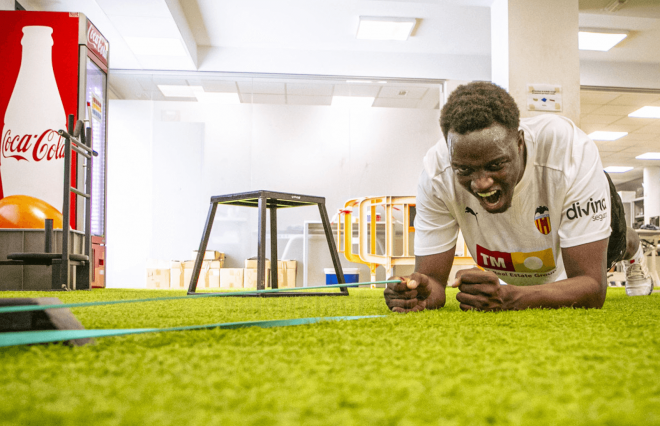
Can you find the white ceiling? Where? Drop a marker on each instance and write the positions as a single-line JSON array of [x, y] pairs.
[[316, 37], [445, 27], [331, 25], [608, 110], [274, 90]]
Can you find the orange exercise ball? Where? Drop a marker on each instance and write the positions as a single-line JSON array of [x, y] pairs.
[[22, 211]]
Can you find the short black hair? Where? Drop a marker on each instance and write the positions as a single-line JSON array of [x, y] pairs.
[[476, 106]]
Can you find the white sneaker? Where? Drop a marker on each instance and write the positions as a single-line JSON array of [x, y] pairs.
[[638, 279]]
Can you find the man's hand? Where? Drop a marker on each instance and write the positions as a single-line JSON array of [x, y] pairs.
[[480, 291], [414, 293]]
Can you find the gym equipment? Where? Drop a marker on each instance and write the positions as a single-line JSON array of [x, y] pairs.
[[61, 263], [369, 227], [272, 201], [46, 318]]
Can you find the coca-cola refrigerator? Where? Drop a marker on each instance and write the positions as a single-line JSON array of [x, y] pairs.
[[54, 64]]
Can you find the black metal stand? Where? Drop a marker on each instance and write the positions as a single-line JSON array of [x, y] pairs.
[[272, 201], [80, 141]]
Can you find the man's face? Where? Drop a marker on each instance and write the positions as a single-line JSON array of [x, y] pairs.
[[488, 163]]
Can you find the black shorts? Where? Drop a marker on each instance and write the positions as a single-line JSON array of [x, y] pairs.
[[616, 248]]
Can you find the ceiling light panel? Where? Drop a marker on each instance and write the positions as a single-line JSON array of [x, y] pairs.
[[618, 169], [385, 28], [649, 156], [646, 112], [151, 46], [606, 136], [602, 42]]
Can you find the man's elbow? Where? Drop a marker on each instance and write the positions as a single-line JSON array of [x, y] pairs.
[[595, 296]]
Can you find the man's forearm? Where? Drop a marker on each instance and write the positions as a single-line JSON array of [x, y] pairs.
[[576, 292]]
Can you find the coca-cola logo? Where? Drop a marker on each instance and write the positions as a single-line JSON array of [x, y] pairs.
[[97, 42], [47, 146]]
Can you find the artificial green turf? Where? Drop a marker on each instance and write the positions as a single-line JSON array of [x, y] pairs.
[[448, 367]]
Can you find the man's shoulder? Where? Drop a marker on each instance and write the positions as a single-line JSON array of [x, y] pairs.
[[547, 123], [436, 160], [555, 140]]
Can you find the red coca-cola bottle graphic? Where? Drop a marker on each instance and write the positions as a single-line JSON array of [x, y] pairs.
[[32, 153]]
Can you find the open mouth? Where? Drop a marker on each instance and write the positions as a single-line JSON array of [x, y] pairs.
[[490, 199]]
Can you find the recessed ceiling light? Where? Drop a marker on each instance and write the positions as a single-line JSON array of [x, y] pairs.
[[588, 40], [385, 28], [152, 46], [179, 91], [352, 101], [217, 98], [617, 169], [649, 156], [606, 136], [646, 112]]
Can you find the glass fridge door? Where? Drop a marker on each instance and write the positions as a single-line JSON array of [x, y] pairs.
[[96, 101]]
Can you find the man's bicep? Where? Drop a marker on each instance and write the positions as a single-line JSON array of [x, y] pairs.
[[436, 266], [587, 260], [436, 230], [586, 211]]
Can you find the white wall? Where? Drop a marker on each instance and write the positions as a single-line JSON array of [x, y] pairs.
[[129, 192], [177, 166]]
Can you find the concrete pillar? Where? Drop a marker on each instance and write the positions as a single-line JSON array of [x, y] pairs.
[[651, 192], [536, 42]]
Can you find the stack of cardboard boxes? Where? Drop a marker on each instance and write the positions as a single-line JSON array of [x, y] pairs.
[[177, 275], [286, 273]]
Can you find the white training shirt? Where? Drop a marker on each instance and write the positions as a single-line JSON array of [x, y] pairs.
[[562, 200]]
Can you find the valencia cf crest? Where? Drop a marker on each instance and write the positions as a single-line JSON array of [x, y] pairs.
[[542, 220]]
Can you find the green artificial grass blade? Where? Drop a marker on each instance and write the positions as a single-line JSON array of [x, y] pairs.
[[47, 336]]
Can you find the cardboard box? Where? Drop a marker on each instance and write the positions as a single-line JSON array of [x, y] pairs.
[[203, 280], [215, 267], [210, 255], [231, 277], [158, 278], [250, 280], [286, 273], [252, 264], [176, 275]]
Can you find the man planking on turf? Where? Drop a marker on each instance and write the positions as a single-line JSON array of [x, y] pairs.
[[534, 205]]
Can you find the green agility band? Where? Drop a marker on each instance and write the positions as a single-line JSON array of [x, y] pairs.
[[47, 336], [27, 308]]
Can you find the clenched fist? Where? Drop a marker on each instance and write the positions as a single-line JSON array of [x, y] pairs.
[[414, 293]]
